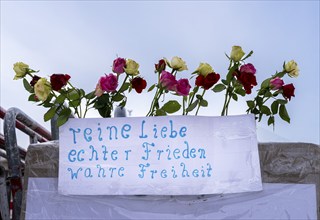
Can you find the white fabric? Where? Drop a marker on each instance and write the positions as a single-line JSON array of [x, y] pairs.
[[276, 201]]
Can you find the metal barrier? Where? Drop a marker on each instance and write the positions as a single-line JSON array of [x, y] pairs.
[[15, 118]]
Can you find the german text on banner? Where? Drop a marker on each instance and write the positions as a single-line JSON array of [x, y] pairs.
[[167, 155]]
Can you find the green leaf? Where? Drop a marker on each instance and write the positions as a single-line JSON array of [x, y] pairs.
[[73, 94], [281, 74], [259, 100], [75, 103], [224, 82], [32, 98], [102, 101], [195, 89], [268, 94], [240, 91], [151, 87], [282, 101], [203, 103], [265, 110], [199, 97], [219, 87], [255, 111], [63, 116], [271, 120], [235, 97], [90, 95], [160, 112], [27, 86], [274, 107], [50, 114], [82, 93], [124, 87], [192, 106], [118, 97], [284, 114], [250, 104], [171, 107], [265, 84], [60, 99], [249, 54]]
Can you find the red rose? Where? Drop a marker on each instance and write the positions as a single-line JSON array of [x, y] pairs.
[[199, 80], [58, 81], [138, 84], [34, 80], [160, 66], [247, 77], [288, 91], [248, 80], [210, 80]]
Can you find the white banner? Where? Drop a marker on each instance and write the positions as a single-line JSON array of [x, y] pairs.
[[170, 155]]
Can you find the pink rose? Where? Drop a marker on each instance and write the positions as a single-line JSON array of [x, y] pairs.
[[108, 83], [248, 68], [118, 65], [168, 81], [276, 83], [183, 87]]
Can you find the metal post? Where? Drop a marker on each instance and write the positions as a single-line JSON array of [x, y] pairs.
[[4, 201], [13, 154]]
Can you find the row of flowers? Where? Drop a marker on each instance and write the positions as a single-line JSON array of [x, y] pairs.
[[64, 99]]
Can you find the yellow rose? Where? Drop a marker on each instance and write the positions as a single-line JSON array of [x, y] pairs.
[[292, 68], [20, 69], [204, 69], [42, 89], [131, 67], [177, 64], [236, 53]]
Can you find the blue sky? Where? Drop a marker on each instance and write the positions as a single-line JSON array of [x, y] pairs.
[[82, 38]]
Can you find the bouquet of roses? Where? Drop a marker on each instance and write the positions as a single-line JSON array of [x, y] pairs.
[[63, 99]]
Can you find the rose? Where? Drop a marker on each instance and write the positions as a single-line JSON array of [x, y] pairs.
[[21, 69], [208, 81], [288, 91], [248, 80], [236, 53], [34, 80], [246, 76], [276, 83], [42, 89], [108, 83], [292, 68], [160, 66], [58, 81], [177, 64], [168, 81], [98, 91], [248, 68], [204, 69], [131, 67], [199, 80], [183, 87], [118, 65], [138, 84]]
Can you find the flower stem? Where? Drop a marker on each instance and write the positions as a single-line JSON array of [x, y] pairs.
[[204, 91]]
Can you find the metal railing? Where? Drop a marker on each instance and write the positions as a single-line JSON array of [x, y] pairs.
[[11, 181]]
